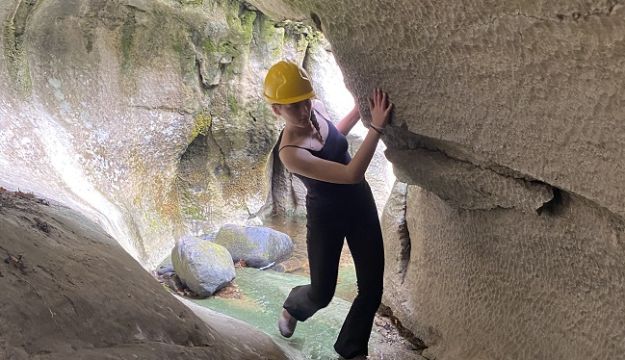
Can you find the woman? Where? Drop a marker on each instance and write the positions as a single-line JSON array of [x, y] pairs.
[[339, 203]]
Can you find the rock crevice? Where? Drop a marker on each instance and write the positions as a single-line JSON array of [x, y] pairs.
[[466, 185]]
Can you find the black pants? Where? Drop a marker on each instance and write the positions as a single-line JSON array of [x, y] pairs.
[[353, 217]]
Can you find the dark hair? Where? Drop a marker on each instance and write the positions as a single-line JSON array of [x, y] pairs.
[[315, 122]]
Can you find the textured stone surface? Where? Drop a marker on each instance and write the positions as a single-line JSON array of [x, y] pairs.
[[467, 186], [76, 294], [203, 266], [396, 242], [533, 86], [498, 104], [502, 284]]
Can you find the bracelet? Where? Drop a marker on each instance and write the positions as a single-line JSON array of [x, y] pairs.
[[376, 129]]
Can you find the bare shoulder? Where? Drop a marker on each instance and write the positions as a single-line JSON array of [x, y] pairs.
[[289, 140], [293, 157]]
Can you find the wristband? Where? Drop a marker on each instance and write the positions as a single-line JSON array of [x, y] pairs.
[[376, 129]]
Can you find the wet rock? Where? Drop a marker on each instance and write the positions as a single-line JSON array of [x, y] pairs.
[[203, 266], [258, 246]]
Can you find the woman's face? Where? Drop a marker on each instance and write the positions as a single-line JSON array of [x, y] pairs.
[[296, 113]]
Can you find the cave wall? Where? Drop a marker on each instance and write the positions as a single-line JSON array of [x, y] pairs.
[[502, 284], [102, 99], [143, 115], [147, 115], [508, 133]]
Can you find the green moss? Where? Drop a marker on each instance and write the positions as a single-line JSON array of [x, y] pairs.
[[191, 2], [268, 31], [240, 21], [128, 33], [209, 46], [247, 26], [182, 45], [228, 48], [233, 103], [17, 62], [203, 122]]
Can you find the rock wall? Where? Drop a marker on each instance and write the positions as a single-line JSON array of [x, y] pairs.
[[143, 115], [147, 115], [114, 107], [508, 132], [502, 284]]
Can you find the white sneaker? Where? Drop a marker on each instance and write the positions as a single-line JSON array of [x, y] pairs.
[[286, 324]]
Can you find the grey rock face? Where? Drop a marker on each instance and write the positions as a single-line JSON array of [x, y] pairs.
[[165, 267], [397, 246], [79, 295], [258, 246], [203, 266], [466, 186]]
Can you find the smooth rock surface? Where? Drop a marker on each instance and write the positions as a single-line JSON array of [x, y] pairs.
[[257, 246], [203, 266], [75, 294]]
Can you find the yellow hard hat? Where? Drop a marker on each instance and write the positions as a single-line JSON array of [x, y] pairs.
[[287, 83]]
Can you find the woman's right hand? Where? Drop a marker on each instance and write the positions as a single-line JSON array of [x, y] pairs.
[[380, 108]]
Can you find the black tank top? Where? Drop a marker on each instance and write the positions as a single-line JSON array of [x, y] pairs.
[[334, 149]]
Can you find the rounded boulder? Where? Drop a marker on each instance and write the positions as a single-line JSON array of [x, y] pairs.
[[203, 266], [258, 246]]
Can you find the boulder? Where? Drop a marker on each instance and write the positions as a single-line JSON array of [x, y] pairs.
[[258, 246], [203, 266], [165, 267]]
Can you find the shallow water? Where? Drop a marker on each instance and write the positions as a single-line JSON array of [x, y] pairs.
[[259, 296], [260, 302], [263, 292]]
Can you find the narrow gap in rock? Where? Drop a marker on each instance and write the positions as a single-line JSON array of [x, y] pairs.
[[554, 206]]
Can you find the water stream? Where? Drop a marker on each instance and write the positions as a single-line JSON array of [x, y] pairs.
[[259, 302]]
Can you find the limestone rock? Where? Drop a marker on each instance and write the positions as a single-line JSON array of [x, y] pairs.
[[468, 186], [506, 273], [203, 266], [397, 246], [256, 245]]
